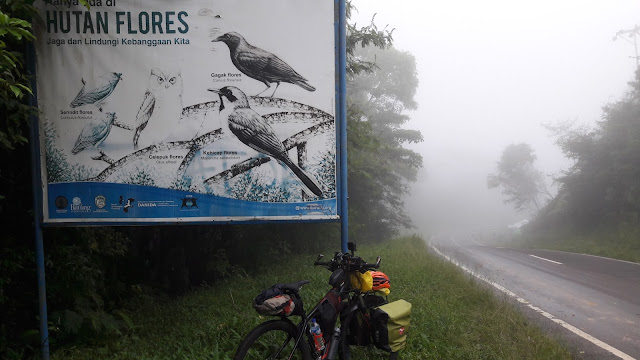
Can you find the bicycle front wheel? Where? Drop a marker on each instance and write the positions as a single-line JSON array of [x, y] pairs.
[[275, 339]]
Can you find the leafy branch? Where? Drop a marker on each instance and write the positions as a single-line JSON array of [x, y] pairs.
[[364, 36], [14, 81]]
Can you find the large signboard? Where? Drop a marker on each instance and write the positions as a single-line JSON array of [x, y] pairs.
[[165, 111]]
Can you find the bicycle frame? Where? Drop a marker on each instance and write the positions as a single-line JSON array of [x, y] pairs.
[[303, 328], [347, 306]]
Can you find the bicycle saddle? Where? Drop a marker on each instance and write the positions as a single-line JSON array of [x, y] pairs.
[[293, 287]]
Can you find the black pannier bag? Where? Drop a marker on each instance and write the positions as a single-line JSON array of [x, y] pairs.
[[359, 330], [273, 301]]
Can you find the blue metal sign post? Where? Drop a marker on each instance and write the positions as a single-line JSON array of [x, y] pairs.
[[342, 120], [37, 210]]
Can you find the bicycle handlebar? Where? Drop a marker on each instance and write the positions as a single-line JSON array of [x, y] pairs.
[[321, 263], [372, 266], [348, 262]]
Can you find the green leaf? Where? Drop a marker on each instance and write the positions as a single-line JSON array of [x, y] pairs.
[[13, 64], [16, 91], [25, 88], [20, 138], [25, 33], [15, 33], [19, 22]]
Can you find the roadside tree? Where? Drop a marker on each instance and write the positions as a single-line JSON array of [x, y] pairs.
[[381, 167], [522, 184]]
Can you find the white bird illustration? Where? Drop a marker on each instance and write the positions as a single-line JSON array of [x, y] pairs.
[[98, 91], [160, 110], [95, 132], [252, 130]]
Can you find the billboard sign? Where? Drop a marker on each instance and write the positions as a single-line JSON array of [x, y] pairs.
[[171, 111]]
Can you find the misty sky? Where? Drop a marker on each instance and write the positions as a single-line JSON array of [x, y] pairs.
[[490, 73]]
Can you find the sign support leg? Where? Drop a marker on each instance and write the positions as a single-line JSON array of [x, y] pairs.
[[37, 210], [342, 116], [42, 294]]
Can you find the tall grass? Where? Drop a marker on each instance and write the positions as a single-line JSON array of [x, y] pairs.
[[452, 316], [618, 242]]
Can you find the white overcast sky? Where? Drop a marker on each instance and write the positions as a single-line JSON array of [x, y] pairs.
[[490, 73]]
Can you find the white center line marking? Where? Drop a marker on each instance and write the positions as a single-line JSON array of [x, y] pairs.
[[541, 258], [560, 322]]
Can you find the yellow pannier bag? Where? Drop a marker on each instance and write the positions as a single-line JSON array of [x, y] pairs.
[[390, 324], [362, 282]]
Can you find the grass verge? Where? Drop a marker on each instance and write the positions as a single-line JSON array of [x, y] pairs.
[[453, 317], [621, 244]]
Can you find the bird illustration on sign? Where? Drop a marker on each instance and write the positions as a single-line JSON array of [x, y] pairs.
[[260, 64], [95, 132], [97, 91], [252, 130], [129, 204], [160, 109]]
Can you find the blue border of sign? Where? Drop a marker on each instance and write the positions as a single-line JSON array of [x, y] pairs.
[[129, 203]]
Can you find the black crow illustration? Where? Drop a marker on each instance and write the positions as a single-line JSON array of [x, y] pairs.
[[261, 64], [251, 129]]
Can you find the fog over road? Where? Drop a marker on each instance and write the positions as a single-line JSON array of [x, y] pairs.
[[597, 298]]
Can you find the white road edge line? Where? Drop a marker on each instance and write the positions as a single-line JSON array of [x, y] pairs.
[[560, 322], [541, 258], [606, 258]]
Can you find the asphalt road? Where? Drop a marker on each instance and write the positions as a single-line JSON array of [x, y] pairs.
[[592, 302]]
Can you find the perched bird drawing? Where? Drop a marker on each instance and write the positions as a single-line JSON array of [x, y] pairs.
[[260, 64], [129, 204], [95, 132], [252, 130], [98, 91], [160, 110]]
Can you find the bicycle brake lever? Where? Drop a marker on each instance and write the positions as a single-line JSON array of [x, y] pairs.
[[378, 259]]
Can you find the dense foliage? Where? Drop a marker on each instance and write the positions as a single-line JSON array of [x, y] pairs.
[[380, 167], [14, 80], [599, 195], [17, 278], [96, 275]]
